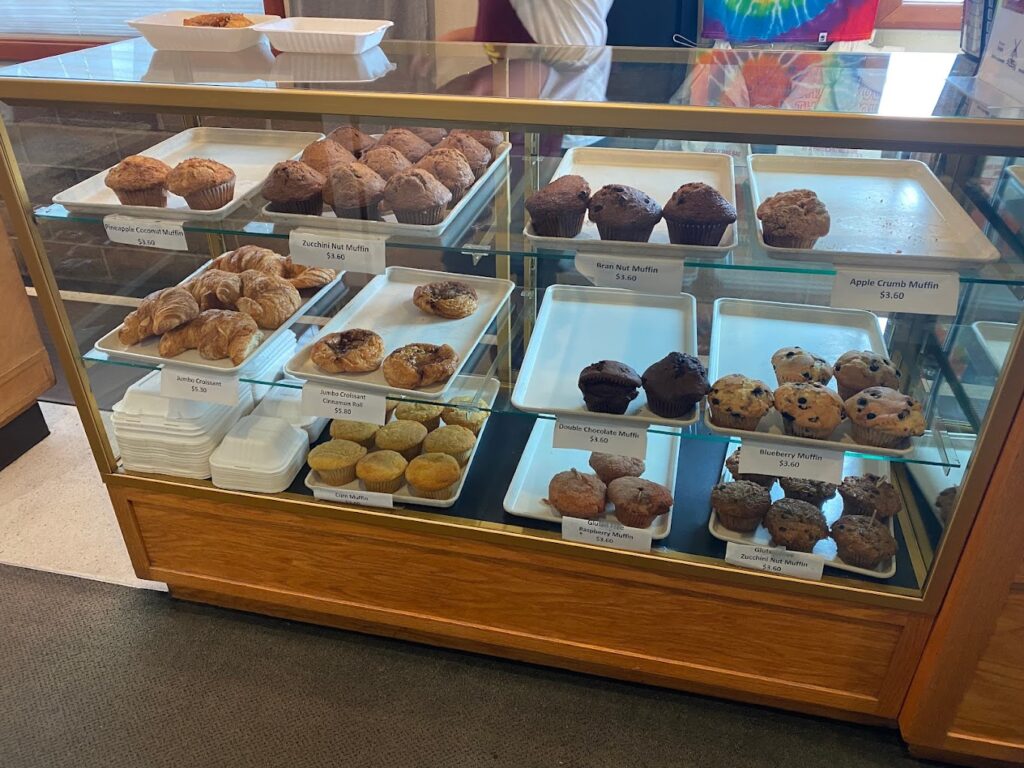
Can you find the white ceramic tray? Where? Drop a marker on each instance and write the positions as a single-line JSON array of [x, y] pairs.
[[249, 153], [745, 334], [932, 479], [540, 462], [477, 387], [471, 203], [579, 325], [385, 306], [655, 172], [888, 213], [832, 509], [310, 34], [167, 31], [995, 339], [147, 351]]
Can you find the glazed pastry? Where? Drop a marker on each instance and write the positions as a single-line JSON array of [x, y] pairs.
[[637, 502], [352, 139], [795, 525], [405, 437], [675, 384], [309, 277], [740, 506], [361, 432], [884, 417], [139, 180], [814, 492], [294, 187], [412, 147], [420, 365], [216, 333], [733, 465], [470, 414], [221, 20], [253, 257], [477, 155], [158, 313], [268, 300], [385, 161], [490, 139], [335, 461], [624, 213], [608, 386], [945, 502], [433, 476], [432, 136], [452, 299], [558, 208], [697, 214], [793, 364], [416, 197], [457, 442], [809, 410], [610, 467], [324, 154], [355, 192], [450, 167], [427, 414], [382, 471], [855, 371], [352, 351], [574, 494], [206, 185], [738, 402], [794, 219], [870, 495], [215, 289], [862, 541]]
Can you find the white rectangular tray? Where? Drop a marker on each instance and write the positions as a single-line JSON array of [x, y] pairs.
[[147, 351], [995, 339], [932, 479], [832, 509], [324, 35], [469, 386], [385, 306], [167, 31], [579, 325], [659, 174], [470, 204], [889, 213], [745, 334], [249, 153], [540, 462]]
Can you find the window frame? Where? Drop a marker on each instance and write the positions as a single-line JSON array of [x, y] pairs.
[[912, 14]]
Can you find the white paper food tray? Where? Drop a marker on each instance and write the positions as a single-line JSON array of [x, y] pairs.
[[996, 339], [540, 462], [167, 31], [385, 307], [579, 325], [745, 334], [659, 174], [886, 213], [832, 509], [249, 153], [932, 479], [321, 35], [479, 387]]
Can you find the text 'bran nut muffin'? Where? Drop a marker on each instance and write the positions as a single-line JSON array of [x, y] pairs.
[[624, 213], [869, 495], [477, 155], [608, 386], [675, 384], [863, 542], [814, 492], [733, 465], [352, 139], [433, 476], [574, 494], [637, 502], [205, 184], [324, 154], [697, 214], [294, 187], [412, 147], [794, 219], [557, 209], [450, 167], [740, 506], [739, 402], [795, 364], [417, 197], [809, 410], [139, 180], [610, 467], [884, 417], [385, 161], [355, 192], [858, 370], [795, 524]]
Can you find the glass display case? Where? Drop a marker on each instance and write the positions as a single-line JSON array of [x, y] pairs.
[[615, 333]]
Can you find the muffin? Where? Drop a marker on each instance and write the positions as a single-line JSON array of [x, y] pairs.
[[738, 402], [477, 155], [465, 412], [574, 494], [637, 502], [361, 432], [855, 371], [608, 386], [412, 147], [740, 506], [675, 384], [623, 213], [862, 541], [385, 161], [382, 471], [795, 524], [794, 219], [945, 503], [433, 476], [335, 461], [558, 208], [885, 418], [870, 495], [733, 465], [814, 492], [389, 408], [424, 413], [205, 184], [139, 180], [809, 410], [433, 136], [457, 442], [356, 192], [610, 467], [697, 214], [402, 436], [490, 139], [450, 167], [416, 197], [794, 364], [352, 139], [325, 154], [294, 187]]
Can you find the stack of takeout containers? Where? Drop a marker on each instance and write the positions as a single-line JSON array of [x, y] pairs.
[[286, 403], [262, 454]]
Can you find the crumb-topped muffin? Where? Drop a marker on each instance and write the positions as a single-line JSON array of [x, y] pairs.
[[624, 213], [294, 187], [809, 410], [450, 167], [884, 417], [858, 370], [739, 402], [794, 364], [417, 197], [740, 506], [697, 214], [869, 495], [205, 184], [558, 208], [139, 180], [795, 524], [862, 541], [324, 154], [355, 191], [794, 219], [732, 463], [815, 492], [574, 494]]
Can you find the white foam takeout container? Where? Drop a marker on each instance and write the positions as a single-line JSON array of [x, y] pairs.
[[167, 31], [312, 34]]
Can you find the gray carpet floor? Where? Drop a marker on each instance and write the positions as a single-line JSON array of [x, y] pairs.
[[95, 675]]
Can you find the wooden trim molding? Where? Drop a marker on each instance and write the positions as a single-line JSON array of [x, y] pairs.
[[907, 14]]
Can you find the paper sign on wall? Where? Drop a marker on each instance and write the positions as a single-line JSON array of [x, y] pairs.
[[340, 251], [146, 233]]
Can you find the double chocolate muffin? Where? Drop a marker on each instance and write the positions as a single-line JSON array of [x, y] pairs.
[[558, 208], [675, 384], [624, 213], [608, 386], [697, 214], [294, 187]]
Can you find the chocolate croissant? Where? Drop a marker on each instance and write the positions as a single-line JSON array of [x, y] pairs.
[[268, 300], [158, 313], [216, 333]]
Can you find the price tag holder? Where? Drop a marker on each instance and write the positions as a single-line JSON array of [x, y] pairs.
[[802, 565], [643, 275], [604, 533], [354, 253], [798, 461], [205, 387], [362, 498], [322, 400], [879, 290], [147, 233], [601, 437]]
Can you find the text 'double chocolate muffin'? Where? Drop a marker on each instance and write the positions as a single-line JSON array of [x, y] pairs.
[[608, 386], [624, 213], [675, 384], [557, 209]]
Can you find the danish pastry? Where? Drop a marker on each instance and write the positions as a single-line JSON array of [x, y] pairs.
[[158, 313], [353, 351], [420, 365], [446, 298]]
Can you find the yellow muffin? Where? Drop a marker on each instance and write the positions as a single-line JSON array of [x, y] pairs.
[[427, 415], [361, 432], [433, 476], [335, 461], [467, 416], [382, 471], [454, 440], [401, 435]]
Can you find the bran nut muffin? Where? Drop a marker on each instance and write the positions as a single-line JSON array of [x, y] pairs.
[[324, 154], [740, 506], [574, 494], [205, 184], [697, 214], [809, 410], [412, 147], [855, 371], [335, 461], [795, 364], [433, 136], [870, 495], [294, 187], [433, 476], [355, 191], [352, 139], [385, 160], [457, 442], [794, 219], [466, 412], [611, 467], [863, 542], [608, 386], [139, 180], [477, 155], [675, 384], [450, 167], [884, 417], [382, 471], [558, 208], [814, 492], [401, 435], [490, 139], [733, 465], [426, 414], [624, 213], [636, 502], [739, 402], [361, 432], [795, 524], [417, 197]]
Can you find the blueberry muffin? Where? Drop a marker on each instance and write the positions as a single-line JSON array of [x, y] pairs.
[[697, 214], [733, 465], [884, 417], [794, 219], [574, 494], [855, 371], [558, 208], [740, 506], [794, 364], [610, 467], [675, 384], [637, 502], [862, 541], [869, 495], [608, 386], [795, 524], [814, 492], [809, 410], [739, 402], [624, 213]]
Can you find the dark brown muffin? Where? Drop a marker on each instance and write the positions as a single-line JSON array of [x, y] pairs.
[[558, 208], [795, 524], [433, 136], [416, 197], [385, 161], [477, 155], [740, 506], [608, 386], [412, 147], [294, 187], [675, 384], [638, 502], [869, 495], [205, 184], [325, 154], [813, 492], [450, 167], [624, 213], [352, 139], [945, 502], [733, 465], [139, 180], [490, 139], [697, 214], [356, 191], [863, 542], [611, 467], [575, 494]]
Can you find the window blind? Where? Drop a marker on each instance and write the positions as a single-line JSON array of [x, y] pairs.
[[98, 18]]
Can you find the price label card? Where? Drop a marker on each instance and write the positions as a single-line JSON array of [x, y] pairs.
[[148, 233], [918, 293], [643, 275], [340, 251], [784, 461], [803, 565], [362, 498], [605, 533], [322, 400], [601, 437], [192, 385]]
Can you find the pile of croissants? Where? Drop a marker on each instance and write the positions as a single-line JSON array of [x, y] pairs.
[[221, 311]]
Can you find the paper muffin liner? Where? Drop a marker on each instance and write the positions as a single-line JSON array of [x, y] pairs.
[[434, 215], [731, 421], [462, 457], [634, 519], [311, 206], [365, 212], [669, 409], [341, 476], [213, 198], [814, 433], [629, 234], [862, 560], [153, 197], [559, 225], [442, 495], [738, 523], [783, 241], [457, 194], [683, 233], [384, 486], [876, 437]]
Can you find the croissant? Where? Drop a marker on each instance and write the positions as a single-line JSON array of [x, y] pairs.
[[302, 276], [268, 300], [215, 289], [253, 257], [158, 313], [216, 333]]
